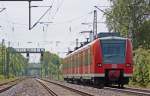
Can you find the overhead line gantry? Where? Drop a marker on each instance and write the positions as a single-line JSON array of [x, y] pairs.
[[32, 26]]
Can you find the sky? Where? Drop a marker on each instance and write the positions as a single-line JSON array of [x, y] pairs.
[[66, 17]]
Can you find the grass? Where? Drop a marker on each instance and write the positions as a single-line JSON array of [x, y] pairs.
[[3, 79]]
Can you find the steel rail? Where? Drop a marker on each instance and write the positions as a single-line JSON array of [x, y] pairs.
[[133, 91], [1, 84], [9, 86], [6, 88], [69, 88], [47, 88]]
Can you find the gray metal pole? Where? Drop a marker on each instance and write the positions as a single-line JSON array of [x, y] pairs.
[[3, 61], [95, 24], [8, 60], [29, 14]]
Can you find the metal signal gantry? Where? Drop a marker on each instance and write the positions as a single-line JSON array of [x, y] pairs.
[[30, 50]]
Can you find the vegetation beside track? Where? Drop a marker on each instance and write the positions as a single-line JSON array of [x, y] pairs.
[[17, 64], [12, 64], [51, 66], [141, 75], [4, 80]]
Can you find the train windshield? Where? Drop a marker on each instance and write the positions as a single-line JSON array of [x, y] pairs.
[[113, 51]]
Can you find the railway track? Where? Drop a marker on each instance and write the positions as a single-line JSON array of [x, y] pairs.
[[63, 86], [7, 85], [133, 91], [51, 92], [129, 91]]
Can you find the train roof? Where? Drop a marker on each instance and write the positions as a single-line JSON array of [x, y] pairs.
[[107, 34], [85, 46], [112, 37], [102, 38]]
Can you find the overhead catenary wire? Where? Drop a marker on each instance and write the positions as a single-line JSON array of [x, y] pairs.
[[11, 21], [17, 23], [58, 8], [2, 9], [73, 19]]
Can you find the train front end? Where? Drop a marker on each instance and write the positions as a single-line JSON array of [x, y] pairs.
[[115, 60]]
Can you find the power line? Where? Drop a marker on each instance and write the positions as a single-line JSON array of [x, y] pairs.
[[73, 19], [58, 7], [10, 21], [2, 9]]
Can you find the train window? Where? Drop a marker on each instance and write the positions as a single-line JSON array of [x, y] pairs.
[[69, 62], [83, 58], [73, 61], [113, 51], [78, 60], [86, 57], [65, 63], [89, 56], [80, 57]]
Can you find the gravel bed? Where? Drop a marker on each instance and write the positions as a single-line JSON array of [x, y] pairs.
[[94, 91], [28, 87]]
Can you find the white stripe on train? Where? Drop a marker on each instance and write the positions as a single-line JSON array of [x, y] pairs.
[[90, 75]]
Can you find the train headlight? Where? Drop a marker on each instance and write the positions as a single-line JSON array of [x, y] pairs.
[[99, 65], [128, 65]]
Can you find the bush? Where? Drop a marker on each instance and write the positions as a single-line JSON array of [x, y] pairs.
[[141, 72], [1, 77]]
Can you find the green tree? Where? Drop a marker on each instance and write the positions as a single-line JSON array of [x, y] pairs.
[[50, 66], [127, 17], [143, 35], [16, 64]]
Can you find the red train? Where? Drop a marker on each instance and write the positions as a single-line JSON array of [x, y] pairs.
[[106, 60]]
